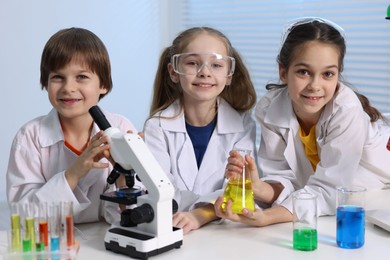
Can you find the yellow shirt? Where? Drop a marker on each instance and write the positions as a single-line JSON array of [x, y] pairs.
[[310, 146]]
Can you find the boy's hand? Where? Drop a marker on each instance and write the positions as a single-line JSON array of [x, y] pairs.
[[88, 160]]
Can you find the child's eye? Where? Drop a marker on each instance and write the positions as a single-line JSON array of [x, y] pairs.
[[217, 66], [191, 63], [329, 74], [303, 72], [56, 77], [80, 77]]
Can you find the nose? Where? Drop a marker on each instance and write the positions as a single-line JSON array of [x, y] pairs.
[[68, 86], [204, 70], [314, 84]]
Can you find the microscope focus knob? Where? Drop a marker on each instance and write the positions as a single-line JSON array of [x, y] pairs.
[[175, 206], [142, 214]]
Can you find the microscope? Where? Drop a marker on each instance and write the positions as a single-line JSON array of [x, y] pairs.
[[145, 229]]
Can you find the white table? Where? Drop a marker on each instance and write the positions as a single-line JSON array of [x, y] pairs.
[[237, 241]]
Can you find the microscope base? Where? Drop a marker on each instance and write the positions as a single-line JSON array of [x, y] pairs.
[[141, 246]]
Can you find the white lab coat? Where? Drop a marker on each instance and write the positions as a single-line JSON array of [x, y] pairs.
[[37, 164], [171, 145], [352, 150]]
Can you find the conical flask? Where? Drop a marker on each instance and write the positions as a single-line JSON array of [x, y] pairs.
[[239, 190]]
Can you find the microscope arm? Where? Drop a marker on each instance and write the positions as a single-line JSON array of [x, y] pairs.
[[131, 152]]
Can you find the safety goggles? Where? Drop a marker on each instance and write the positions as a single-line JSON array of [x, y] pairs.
[[305, 20], [192, 63]]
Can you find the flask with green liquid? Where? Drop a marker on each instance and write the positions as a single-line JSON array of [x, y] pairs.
[[239, 190]]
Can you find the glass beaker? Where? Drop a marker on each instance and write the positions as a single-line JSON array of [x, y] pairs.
[[239, 190], [304, 221], [350, 216]]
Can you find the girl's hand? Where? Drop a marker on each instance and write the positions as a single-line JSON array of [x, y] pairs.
[[142, 135], [257, 218], [88, 160], [186, 221], [194, 219], [253, 218], [235, 166], [262, 191]]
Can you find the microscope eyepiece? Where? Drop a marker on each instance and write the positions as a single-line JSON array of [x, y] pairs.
[[99, 118]]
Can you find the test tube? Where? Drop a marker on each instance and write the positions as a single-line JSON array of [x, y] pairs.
[[26, 240], [39, 243], [43, 226], [67, 220], [55, 226], [15, 227], [29, 228]]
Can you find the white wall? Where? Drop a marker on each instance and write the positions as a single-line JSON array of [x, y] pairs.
[[134, 32]]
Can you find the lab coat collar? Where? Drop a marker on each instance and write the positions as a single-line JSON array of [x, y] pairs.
[[280, 114], [51, 129], [175, 118], [231, 121], [333, 105], [280, 110], [226, 122]]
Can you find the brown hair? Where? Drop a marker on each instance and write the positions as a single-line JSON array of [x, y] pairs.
[[325, 33], [76, 43], [240, 94]]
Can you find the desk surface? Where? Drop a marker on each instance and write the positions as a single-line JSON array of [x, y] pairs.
[[237, 241]]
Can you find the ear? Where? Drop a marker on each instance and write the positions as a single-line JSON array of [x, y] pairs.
[[283, 74], [174, 76], [229, 80], [103, 90]]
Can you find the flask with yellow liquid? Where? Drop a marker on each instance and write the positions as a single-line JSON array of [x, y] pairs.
[[239, 190]]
